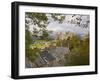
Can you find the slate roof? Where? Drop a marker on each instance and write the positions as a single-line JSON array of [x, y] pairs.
[[41, 61], [47, 56]]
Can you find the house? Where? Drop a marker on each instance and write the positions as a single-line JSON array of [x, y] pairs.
[[45, 59], [52, 58], [60, 52]]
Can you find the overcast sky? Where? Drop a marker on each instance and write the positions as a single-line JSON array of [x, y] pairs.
[[65, 26]]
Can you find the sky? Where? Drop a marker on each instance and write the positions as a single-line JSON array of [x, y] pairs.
[[65, 26]]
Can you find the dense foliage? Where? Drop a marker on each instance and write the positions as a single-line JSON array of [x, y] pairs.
[[79, 53]]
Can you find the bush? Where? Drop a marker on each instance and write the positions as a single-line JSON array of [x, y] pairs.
[[79, 54]]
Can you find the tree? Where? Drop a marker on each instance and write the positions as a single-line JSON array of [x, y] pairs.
[[45, 35], [40, 20], [28, 41], [79, 54], [80, 21], [58, 17]]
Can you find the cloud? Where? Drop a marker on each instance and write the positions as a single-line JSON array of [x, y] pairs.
[[64, 27]]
